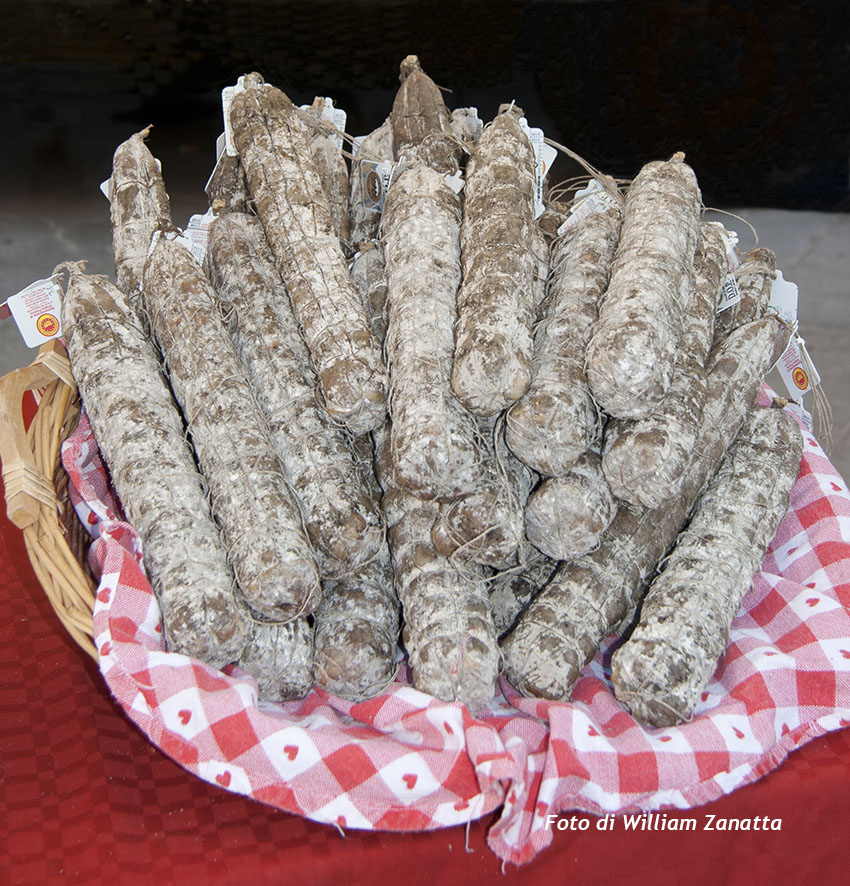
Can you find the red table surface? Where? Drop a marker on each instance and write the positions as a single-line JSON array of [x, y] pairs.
[[87, 799]]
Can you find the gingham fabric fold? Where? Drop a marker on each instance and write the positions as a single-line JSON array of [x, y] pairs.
[[406, 761]]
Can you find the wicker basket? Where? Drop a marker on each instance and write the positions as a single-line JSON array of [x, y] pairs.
[[36, 486]]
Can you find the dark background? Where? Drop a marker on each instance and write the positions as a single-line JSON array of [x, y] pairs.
[[754, 93]]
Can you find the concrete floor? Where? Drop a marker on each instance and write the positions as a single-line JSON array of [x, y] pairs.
[[812, 249]]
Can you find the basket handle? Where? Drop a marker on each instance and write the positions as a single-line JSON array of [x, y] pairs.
[[26, 489]]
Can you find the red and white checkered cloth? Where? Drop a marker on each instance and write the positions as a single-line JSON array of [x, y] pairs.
[[406, 761]]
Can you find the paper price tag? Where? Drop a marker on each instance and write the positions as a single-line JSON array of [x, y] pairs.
[[375, 179], [471, 122], [198, 234], [329, 114], [796, 368], [730, 294], [227, 96], [783, 299], [730, 241], [474, 123], [455, 181], [593, 198], [219, 153], [176, 236], [544, 156], [37, 311]]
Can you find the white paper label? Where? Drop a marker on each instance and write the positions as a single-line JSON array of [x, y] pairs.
[[475, 124], [594, 198], [198, 233], [329, 114], [177, 237], [37, 311], [227, 96], [783, 299], [796, 368], [730, 241], [375, 179], [544, 155], [455, 181], [470, 120], [355, 144], [730, 294]]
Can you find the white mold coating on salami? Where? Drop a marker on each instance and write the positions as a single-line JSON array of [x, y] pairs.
[[227, 190], [369, 273], [332, 170], [631, 353], [645, 460], [280, 658], [420, 119], [140, 435], [666, 663], [357, 623], [263, 530], [448, 625], [589, 597], [487, 526], [356, 633], [139, 206], [434, 447], [495, 303], [511, 590], [754, 278], [556, 419], [566, 515], [463, 125], [540, 253], [293, 206], [344, 524]]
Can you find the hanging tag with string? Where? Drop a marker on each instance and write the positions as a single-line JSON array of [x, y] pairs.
[[795, 366]]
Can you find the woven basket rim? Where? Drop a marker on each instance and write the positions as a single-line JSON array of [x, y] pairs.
[[56, 541]]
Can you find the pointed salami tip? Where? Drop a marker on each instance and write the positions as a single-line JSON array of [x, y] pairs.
[[408, 65]]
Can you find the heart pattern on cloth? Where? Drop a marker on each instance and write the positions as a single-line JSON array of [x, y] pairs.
[[449, 766]]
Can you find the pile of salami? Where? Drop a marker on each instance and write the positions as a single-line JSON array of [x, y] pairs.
[[413, 404]]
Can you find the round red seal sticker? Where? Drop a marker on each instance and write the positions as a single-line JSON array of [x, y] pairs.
[[800, 378], [47, 325]]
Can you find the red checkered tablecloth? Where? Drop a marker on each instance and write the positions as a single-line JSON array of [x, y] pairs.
[[408, 762]]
